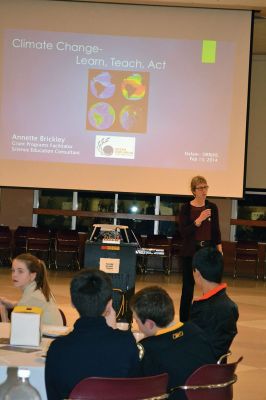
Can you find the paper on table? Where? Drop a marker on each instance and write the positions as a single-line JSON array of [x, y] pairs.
[[55, 331], [20, 349]]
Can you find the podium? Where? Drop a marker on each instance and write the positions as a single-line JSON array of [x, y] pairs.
[[117, 258]]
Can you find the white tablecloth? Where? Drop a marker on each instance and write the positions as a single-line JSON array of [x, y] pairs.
[[32, 361]]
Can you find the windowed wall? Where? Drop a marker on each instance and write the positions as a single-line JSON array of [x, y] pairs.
[[54, 200], [169, 206], [253, 210], [135, 208], [96, 203], [144, 214]]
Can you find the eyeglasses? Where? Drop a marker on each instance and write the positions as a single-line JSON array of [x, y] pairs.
[[202, 187]]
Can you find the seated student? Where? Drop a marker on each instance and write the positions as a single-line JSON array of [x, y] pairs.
[[29, 274], [215, 313], [93, 348], [173, 347]]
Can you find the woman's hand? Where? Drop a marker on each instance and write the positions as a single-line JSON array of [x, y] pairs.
[[205, 214]]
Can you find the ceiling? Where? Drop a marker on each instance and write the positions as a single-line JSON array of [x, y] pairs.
[[259, 6]]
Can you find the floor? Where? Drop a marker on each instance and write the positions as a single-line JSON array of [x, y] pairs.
[[250, 295]]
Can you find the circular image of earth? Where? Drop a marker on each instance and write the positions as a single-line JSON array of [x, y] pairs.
[[101, 115], [101, 86], [133, 88], [129, 118]]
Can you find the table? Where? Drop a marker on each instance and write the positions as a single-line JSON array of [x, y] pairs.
[[32, 361], [10, 361]]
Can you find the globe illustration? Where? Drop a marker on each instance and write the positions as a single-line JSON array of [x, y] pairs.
[[101, 85], [129, 118], [133, 88], [101, 115]]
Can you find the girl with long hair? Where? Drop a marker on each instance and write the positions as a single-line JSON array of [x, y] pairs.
[[29, 275]]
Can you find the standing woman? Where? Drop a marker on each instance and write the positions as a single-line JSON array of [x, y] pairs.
[[199, 227], [30, 276]]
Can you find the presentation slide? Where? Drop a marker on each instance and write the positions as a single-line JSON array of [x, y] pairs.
[[110, 107], [116, 100]]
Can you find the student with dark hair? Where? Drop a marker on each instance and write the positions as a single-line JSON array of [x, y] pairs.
[[168, 346], [91, 293], [214, 311], [94, 347], [29, 275]]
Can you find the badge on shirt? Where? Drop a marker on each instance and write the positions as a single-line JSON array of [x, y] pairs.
[[141, 351], [178, 335]]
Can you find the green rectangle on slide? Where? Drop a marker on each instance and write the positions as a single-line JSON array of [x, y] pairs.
[[208, 55]]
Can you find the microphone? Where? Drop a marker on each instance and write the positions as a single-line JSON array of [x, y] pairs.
[[207, 205]]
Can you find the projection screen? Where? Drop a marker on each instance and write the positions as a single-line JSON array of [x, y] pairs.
[[123, 98]]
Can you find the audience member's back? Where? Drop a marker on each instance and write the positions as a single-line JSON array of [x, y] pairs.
[[93, 348], [215, 313], [176, 348]]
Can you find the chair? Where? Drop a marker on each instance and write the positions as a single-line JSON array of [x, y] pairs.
[[5, 245], [63, 317], [53, 233], [149, 387], [67, 244], [38, 243], [211, 382], [20, 239], [246, 251], [158, 246], [176, 247]]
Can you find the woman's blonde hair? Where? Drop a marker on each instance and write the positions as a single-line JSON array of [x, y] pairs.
[[197, 180], [37, 266]]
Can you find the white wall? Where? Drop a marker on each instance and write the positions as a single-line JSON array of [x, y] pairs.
[[256, 160]]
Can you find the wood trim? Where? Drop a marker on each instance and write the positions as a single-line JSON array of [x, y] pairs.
[[248, 222], [144, 217], [95, 214]]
